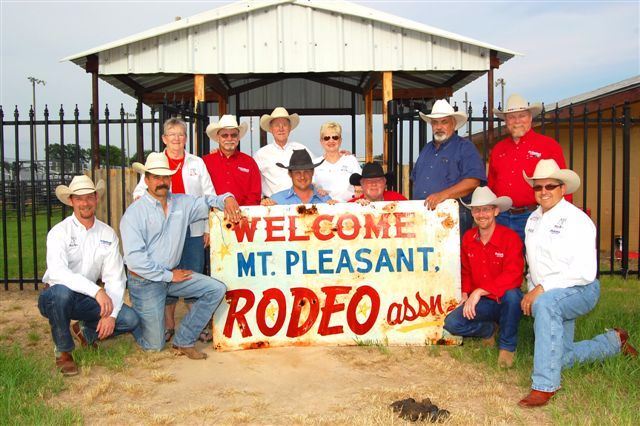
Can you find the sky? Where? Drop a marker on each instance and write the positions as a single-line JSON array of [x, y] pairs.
[[568, 47]]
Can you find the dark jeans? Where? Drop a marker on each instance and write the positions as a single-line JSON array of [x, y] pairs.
[[507, 314], [192, 259], [60, 305], [517, 222]]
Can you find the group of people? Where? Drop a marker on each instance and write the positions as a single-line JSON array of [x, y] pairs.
[[164, 236]]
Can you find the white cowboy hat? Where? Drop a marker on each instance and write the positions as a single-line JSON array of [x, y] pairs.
[[279, 112], [549, 169], [80, 185], [442, 109], [484, 196], [157, 164], [227, 121], [517, 103]]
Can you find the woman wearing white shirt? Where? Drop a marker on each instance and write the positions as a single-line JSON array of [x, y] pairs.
[[193, 179], [333, 174]]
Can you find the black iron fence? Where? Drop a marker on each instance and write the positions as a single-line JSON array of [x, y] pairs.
[[600, 145], [38, 155]]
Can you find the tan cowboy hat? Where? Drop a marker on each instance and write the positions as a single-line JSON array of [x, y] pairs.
[[227, 121], [549, 169], [157, 164], [442, 109], [484, 196], [80, 185], [517, 103], [279, 112]]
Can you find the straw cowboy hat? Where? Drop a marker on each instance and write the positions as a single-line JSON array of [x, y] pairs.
[[442, 109], [549, 169], [279, 112], [484, 196], [80, 185], [300, 160], [369, 171], [157, 164], [517, 103], [227, 121]]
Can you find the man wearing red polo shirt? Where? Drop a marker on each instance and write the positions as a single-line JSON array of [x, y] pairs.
[[520, 151], [492, 266], [231, 170]]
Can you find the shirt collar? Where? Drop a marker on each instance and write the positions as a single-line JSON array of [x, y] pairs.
[[153, 201], [292, 194], [496, 237]]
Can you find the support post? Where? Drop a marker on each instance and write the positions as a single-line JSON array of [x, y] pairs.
[[198, 96], [387, 95], [368, 125], [92, 67], [494, 63]]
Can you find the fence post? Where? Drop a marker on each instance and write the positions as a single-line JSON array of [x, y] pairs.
[[139, 132], [626, 171]]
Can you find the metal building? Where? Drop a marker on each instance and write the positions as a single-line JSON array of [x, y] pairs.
[[314, 57]]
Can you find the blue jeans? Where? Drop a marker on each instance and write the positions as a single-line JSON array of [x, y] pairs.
[[516, 222], [148, 298], [555, 312], [466, 220], [506, 313], [192, 259], [60, 305]]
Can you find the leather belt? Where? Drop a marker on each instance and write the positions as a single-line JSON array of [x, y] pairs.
[[134, 274], [523, 209]]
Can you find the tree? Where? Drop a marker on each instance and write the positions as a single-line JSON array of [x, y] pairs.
[[134, 157], [115, 156], [67, 155]]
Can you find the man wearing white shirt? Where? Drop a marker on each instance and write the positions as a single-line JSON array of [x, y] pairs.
[[80, 250], [280, 124], [560, 242]]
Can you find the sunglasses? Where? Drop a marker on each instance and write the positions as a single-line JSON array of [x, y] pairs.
[[548, 187], [334, 137]]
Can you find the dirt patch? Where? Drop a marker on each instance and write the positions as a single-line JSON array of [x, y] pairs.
[[319, 385]]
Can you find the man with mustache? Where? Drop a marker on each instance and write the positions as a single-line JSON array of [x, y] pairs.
[[449, 167], [153, 230], [520, 151]]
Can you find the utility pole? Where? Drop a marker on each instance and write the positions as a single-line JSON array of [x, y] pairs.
[[128, 115], [35, 81], [500, 82]]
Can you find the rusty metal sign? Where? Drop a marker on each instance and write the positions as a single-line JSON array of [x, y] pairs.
[[387, 273]]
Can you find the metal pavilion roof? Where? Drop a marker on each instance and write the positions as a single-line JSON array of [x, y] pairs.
[[303, 54]]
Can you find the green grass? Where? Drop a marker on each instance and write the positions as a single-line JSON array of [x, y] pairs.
[[27, 243], [606, 392], [110, 353], [25, 380]]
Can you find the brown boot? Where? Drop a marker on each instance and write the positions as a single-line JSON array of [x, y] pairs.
[[191, 352], [505, 358], [76, 332], [536, 399], [625, 346], [66, 364], [489, 342]]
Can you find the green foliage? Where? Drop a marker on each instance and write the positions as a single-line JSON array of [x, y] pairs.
[[25, 380], [110, 353]]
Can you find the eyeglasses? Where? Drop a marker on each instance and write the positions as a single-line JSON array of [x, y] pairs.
[[334, 137], [548, 187], [175, 135], [483, 209]]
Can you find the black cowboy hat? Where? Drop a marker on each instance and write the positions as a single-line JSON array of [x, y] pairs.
[[300, 160], [369, 170]]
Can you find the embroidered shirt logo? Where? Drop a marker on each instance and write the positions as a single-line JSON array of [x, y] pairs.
[[243, 169], [73, 242], [105, 242], [535, 154], [193, 172], [498, 254]]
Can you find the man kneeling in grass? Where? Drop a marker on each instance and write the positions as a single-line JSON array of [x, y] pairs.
[[492, 266], [561, 253], [80, 250]]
